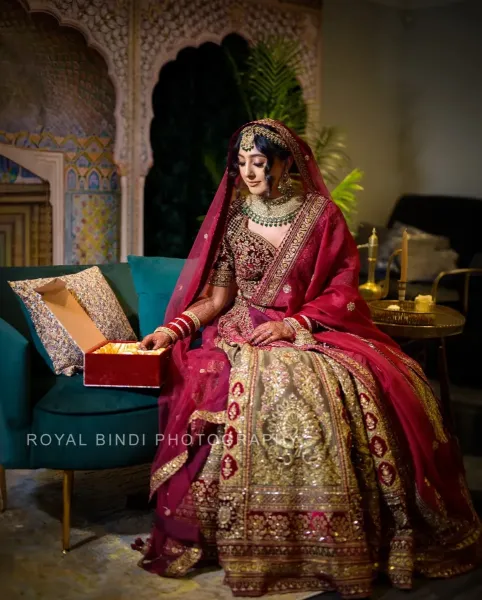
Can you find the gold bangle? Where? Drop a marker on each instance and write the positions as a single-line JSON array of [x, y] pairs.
[[303, 337], [194, 318], [172, 334]]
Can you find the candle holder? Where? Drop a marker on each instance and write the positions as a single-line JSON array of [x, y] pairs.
[[402, 290], [371, 290]]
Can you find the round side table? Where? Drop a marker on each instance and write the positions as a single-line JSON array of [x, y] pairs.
[[447, 322]]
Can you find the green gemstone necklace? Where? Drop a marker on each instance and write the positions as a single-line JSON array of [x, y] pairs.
[[272, 212]]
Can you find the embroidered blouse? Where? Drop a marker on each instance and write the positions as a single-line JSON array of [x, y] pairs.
[[243, 257]]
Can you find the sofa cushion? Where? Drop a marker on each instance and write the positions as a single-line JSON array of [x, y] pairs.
[[94, 294], [69, 396], [154, 280], [118, 275]]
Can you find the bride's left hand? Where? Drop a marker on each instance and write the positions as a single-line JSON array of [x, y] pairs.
[[270, 332]]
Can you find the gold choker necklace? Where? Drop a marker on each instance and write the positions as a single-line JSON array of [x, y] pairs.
[[272, 212]]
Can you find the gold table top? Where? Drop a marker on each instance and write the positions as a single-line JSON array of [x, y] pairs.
[[447, 322]]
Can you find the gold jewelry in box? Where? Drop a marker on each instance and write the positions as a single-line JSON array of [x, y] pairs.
[[125, 348]]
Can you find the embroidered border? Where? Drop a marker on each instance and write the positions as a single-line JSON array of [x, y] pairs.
[[211, 417], [181, 565], [288, 252], [163, 473]]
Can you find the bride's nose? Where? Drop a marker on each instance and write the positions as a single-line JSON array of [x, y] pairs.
[[250, 174]]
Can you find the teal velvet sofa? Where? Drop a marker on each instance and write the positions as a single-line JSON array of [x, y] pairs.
[[53, 421]]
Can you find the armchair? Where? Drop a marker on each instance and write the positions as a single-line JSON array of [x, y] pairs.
[[54, 422]]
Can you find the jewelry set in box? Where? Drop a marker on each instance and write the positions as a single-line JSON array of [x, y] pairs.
[[107, 363]]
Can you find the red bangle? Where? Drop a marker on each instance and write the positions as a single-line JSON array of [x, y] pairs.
[[304, 321], [188, 323], [186, 327], [177, 329]]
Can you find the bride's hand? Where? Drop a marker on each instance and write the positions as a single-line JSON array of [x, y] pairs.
[[270, 332], [155, 340]]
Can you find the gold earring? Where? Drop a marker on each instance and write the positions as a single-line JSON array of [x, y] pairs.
[[285, 185]]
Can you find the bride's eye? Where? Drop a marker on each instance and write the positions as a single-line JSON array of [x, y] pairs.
[[259, 164], [241, 164]]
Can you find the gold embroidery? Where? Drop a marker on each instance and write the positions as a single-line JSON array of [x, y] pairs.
[[284, 492], [181, 565], [163, 473], [252, 255], [303, 336], [210, 417], [289, 486], [222, 273], [294, 240]]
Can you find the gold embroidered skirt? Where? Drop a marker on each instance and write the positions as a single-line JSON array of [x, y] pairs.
[[308, 487]]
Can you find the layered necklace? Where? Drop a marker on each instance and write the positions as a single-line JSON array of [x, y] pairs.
[[272, 212]]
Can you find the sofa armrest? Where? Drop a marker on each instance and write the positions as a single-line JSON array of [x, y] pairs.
[[15, 410]]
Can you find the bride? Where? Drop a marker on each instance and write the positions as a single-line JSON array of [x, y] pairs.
[[302, 449]]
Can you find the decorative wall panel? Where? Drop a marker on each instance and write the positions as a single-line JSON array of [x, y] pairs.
[[137, 37]]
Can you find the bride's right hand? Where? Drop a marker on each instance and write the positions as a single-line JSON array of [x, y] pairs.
[[155, 340]]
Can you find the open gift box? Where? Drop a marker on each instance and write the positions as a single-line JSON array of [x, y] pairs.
[[103, 369]]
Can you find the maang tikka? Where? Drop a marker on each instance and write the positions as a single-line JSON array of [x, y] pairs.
[[248, 133]]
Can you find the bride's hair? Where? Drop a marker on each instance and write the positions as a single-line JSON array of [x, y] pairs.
[[267, 147]]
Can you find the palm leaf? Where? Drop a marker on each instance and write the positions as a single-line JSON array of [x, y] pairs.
[[272, 73], [328, 146], [344, 194], [239, 80]]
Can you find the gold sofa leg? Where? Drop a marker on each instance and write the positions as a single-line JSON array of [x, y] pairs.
[[67, 498], [3, 489]]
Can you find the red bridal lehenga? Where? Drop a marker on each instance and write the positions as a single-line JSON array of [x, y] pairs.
[[300, 466]]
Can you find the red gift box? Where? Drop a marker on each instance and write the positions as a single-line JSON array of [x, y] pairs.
[[124, 370], [102, 370]]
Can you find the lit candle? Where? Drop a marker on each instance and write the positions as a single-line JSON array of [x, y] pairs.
[[404, 263], [423, 303]]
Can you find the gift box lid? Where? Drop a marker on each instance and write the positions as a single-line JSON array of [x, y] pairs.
[[70, 314]]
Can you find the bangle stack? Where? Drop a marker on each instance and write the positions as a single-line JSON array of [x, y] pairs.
[[181, 327]]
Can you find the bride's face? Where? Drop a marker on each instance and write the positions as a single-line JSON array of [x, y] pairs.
[[252, 170]]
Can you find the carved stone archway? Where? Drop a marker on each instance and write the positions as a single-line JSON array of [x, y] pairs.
[[165, 30], [105, 26], [137, 37], [50, 167], [198, 21]]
